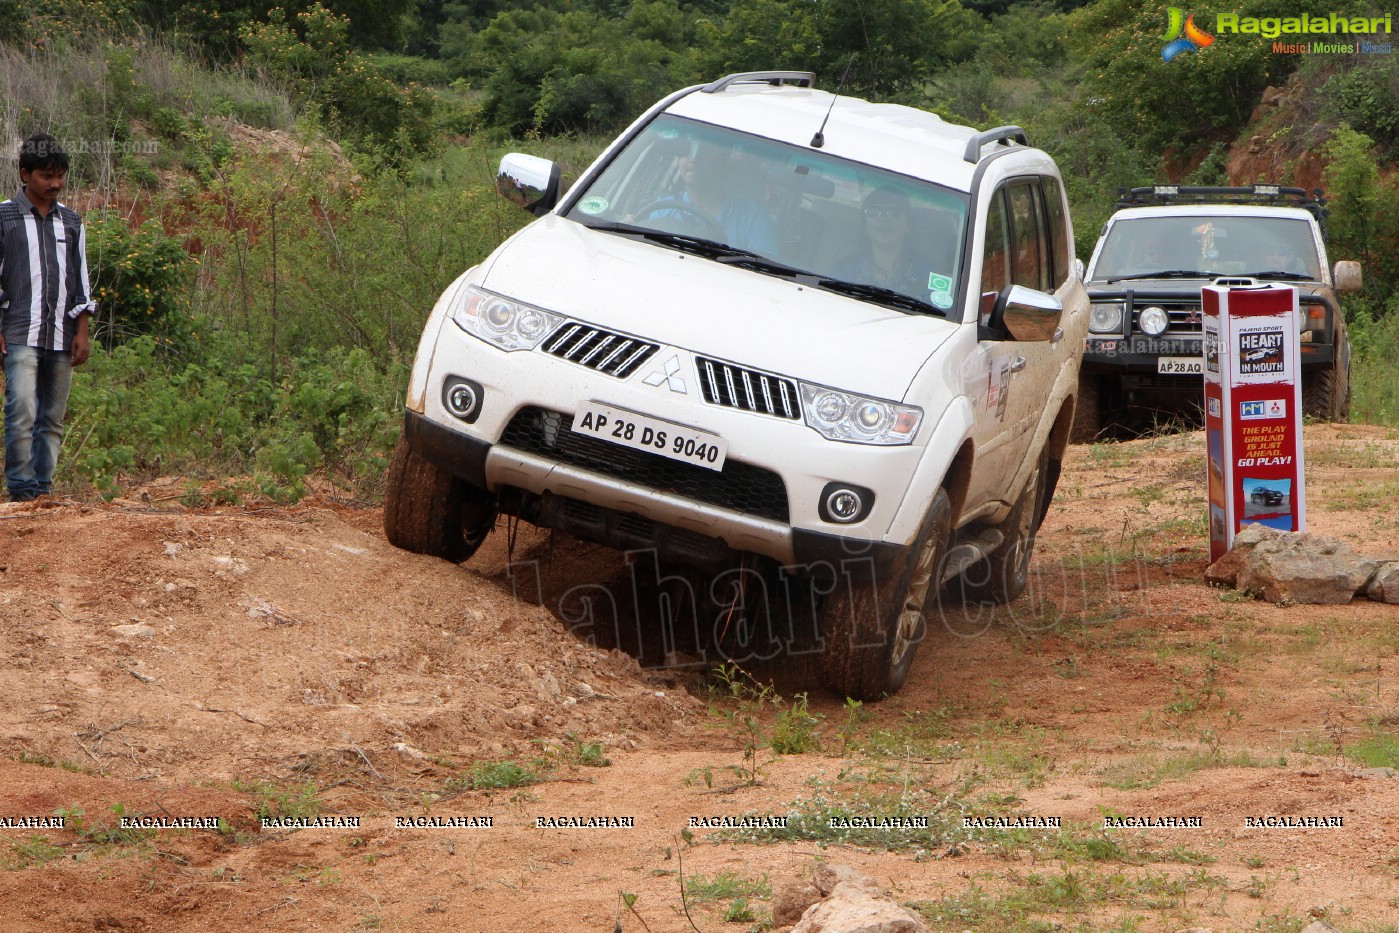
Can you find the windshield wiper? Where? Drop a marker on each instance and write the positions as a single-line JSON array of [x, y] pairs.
[[879, 294], [1279, 274], [758, 263], [710, 249], [1166, 274]]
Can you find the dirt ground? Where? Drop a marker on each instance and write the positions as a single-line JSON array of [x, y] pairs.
[[226, 662]]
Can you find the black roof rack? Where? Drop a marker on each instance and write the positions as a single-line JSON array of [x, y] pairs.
[[1001, 134], [1272, 195], [775, 78]]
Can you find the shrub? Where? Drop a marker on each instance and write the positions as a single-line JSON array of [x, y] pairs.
[[141, 277]]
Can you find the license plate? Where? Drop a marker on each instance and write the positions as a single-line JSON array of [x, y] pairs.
[[1180, 365], [652, 435]]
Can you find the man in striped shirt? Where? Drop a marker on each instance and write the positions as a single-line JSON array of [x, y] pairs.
[[44, 310]]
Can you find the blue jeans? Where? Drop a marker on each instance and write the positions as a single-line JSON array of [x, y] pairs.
[[36, 396]]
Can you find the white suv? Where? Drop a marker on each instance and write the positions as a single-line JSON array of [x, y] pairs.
[[767, 324]]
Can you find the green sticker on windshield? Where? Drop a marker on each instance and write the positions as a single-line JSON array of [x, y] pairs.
[[593, 205], [940, 291]]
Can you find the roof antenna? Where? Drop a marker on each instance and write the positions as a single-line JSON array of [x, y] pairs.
[[819, 139]]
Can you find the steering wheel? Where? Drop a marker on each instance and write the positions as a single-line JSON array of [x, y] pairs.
[[678, 217]]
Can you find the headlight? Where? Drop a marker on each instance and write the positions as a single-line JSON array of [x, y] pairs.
[[842, 416], [510, 325], [1153, 321], [1105, 318]]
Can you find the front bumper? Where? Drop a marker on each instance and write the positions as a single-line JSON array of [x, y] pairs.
[[534, 469]]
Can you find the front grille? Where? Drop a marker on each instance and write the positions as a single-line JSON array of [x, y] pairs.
[[1184, 318], [598, 349], [747, 389], [739, 487]]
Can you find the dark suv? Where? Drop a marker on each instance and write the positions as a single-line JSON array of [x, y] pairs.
[[1143, 361], [1265, 496]]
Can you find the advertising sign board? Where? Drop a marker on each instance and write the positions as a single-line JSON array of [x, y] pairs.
[[1253, 410]]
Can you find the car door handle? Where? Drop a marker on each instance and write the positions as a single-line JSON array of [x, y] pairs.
[[1017, 364]]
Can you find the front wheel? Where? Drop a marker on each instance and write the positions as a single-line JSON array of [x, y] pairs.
[[872, 628], [1004, 574], [430, 511]]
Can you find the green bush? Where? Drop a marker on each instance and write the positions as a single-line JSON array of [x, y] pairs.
[[1367, 98], [357, 99], [141, 277]]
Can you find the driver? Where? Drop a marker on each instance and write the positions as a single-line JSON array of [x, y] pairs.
[[710, 202]]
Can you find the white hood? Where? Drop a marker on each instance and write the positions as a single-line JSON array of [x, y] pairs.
[[683, 300]]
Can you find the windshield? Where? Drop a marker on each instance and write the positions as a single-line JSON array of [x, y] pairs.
[[783, 210], [1217, 245]]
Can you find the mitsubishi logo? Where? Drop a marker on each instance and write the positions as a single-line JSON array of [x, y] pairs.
[[669, 376]]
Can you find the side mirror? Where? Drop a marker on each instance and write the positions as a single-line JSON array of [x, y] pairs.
[[529, 182], [1347, 276], [1027, 314]]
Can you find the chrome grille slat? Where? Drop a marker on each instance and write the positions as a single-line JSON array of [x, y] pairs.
[[599, 350], [752, 390]]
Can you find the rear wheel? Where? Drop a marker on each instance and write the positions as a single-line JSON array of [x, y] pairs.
[[872, 628], [1003, 575], [430, 511]]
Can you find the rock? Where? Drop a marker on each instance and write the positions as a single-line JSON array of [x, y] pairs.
[[791, 899], [135, 630], [853, 909], [853, 904], [1271, 96], [1384, 585], [1297, 567], [1225, 571], [827, 876], [1319, 926]]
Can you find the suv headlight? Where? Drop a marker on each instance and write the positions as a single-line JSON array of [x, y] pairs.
[[843, 416], [1105, 317], [1153, 321], [502, 322]]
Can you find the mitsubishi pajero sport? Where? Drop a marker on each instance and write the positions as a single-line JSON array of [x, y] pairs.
[[767, 324]]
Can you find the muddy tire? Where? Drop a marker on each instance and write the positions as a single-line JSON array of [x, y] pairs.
[[872, 628], [1326, 394], [1088, 413], [1004, 574], [430, 511]]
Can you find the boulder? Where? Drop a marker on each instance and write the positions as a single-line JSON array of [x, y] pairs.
[[1225, 571], [852, 904], [1384, 585], [853, 909], [1297, 567]]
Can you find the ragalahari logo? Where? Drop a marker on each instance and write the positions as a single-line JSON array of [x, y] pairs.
[[1193, 40]]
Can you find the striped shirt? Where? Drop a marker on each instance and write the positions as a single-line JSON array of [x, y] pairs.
[[43, 274]]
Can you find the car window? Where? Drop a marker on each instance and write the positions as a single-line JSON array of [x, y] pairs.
[[1058, 230], [1029, 265], [995, 255], [806, 209], [1226, 245]]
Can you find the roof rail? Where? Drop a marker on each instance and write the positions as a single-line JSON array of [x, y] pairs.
[[1001, 134], [1274, 195], [775, 78]]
